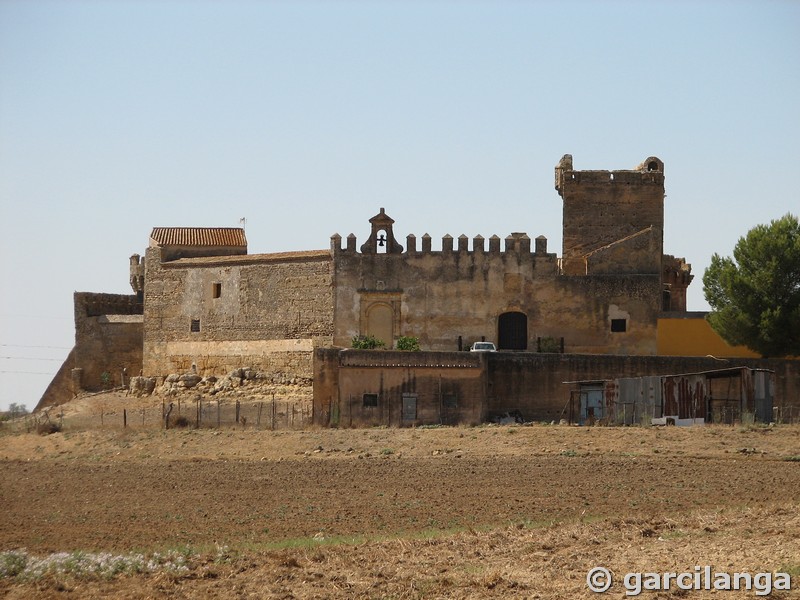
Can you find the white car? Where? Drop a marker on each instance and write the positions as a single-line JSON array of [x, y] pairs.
[[483, 347]]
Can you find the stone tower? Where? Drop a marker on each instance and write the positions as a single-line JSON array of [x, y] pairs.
[[613, 220]]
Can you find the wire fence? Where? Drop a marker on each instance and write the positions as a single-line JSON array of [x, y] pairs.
[[173, 414]]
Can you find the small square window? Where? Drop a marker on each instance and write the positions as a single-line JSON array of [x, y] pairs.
[[619, 325], [195, 326], [370, 400], [216, 290], [449, 401]]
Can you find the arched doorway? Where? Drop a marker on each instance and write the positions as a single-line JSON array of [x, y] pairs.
[[379, 323], [512, 331]]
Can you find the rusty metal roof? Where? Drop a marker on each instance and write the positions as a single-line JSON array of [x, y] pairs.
[[198, 236]]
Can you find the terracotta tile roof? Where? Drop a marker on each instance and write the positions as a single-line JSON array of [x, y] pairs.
[[198, 236]]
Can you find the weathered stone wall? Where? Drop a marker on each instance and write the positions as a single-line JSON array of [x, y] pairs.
[[438, 296], [108, 346], [218, 358], [108, 338], [602, 208], [443, 388], [217, 313]]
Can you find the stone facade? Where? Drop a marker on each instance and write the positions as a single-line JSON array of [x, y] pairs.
[[613, 220], [512, 296], [214, 314], [108, 339], [603, 296]]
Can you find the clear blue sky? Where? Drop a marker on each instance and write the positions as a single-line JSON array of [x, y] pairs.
[[307, 117]]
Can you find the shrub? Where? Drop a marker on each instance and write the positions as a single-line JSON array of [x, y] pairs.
[[181, 422], [47, 428], [549, 344], [105, 379], [408, 344], [367, 342]]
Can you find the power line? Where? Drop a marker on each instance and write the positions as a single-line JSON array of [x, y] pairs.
[[28, 373], [29, 358], [38, 317], [26, 346]]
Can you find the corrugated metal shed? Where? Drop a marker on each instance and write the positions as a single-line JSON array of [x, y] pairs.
[[198, 236], [720, 396]]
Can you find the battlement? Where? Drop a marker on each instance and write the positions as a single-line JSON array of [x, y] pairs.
[[648, 172], [516, 243]]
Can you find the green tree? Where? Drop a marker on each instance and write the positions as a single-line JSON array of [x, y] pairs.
[[755, 296], [14, 410]]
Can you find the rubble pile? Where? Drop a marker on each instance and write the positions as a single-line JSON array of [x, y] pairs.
[[254, 381]]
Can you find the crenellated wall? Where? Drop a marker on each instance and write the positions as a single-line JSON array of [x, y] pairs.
[[462, 291]]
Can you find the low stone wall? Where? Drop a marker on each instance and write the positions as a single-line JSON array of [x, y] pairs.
[[487, 385], [362, 388]]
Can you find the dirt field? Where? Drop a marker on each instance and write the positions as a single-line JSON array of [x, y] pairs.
[[487, 512]]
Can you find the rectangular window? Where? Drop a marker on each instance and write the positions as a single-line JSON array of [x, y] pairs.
[[370, 400], [666, 301], [619, 325], [195, 326], [449, 401], [216, 291]]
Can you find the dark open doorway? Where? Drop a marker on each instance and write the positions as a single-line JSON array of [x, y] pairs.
[[512, 331]]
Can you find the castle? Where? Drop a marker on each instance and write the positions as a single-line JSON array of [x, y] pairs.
[[202, 303], [208, 304]]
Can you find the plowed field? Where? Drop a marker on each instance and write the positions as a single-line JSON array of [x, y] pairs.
[[461, 512]]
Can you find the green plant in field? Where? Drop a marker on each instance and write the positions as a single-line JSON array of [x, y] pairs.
[[408, 344], [367, 342], [105, 379]]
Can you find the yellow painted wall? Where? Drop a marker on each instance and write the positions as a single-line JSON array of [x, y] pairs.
[[693, 336]]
